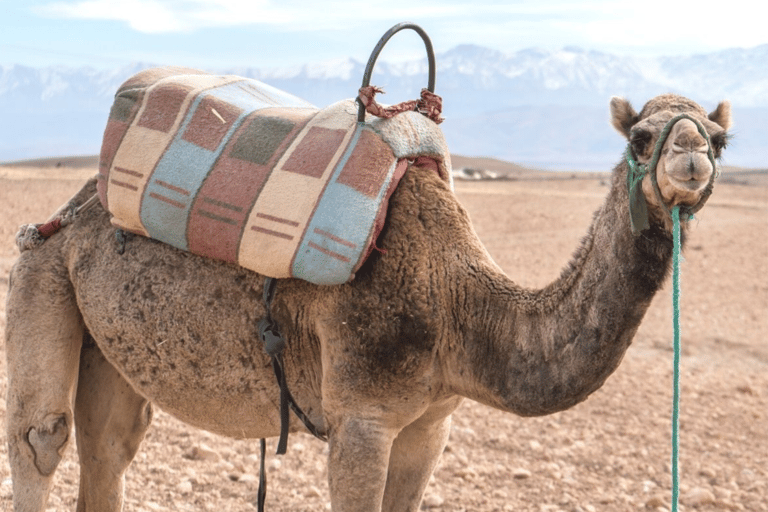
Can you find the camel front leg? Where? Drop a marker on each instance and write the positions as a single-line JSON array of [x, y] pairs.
[[43, 337], [111, 420], [357, 464], [414, 456]]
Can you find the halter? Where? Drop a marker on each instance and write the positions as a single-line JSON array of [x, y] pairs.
[[638, 209]]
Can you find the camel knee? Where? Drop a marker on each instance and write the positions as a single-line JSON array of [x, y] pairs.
[[47, 441]]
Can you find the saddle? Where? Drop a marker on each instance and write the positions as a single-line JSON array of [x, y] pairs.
[[236, 170]]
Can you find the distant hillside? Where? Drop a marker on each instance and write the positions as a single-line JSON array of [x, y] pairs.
[[544, 109]]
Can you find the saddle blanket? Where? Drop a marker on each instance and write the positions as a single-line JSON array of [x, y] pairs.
[[233, 169]]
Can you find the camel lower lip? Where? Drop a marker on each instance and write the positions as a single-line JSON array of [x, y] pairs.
[[689, 184]]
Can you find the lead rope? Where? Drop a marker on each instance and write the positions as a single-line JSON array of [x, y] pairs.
[[676, 357], [639, 221]]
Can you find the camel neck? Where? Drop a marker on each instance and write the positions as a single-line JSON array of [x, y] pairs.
[[539, 352]]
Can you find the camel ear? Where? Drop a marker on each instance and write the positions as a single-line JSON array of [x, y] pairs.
[[722, 115], [623, 116]]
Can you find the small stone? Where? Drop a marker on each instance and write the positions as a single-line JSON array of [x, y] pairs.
[[247, 478], [655, 502], [204, 453], [466, 473], [521, 474], [433, 501], [312, 492], [184, 487], [6, 489], [225, 465], [275, 464], [648, 485], [698, 496], [461, 458], [721, 493]]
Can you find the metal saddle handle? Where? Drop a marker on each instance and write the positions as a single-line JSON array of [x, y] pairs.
[[380, 46]]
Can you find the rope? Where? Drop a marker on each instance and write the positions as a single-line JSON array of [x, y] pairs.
[[676, 358], [30, 236], [639, 221]]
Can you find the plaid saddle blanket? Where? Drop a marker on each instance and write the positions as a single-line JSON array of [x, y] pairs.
[[233, 169]]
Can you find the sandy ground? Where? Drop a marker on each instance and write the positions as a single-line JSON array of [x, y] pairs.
[[611, 453]]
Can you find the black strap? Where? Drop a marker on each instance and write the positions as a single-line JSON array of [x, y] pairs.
[[274, 344], [262, 496]]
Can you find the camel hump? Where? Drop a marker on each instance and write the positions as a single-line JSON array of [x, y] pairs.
[[236, 170]]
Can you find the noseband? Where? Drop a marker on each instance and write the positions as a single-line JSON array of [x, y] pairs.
[[638, 208]]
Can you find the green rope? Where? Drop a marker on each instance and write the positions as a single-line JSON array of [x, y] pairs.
[[638, 213], [676, 359]]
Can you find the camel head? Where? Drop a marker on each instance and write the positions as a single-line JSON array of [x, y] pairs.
[[684, 169]]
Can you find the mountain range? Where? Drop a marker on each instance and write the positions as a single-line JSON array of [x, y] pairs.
[[540, 108]]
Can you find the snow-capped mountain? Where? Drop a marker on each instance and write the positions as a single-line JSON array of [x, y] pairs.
[[536, 107]]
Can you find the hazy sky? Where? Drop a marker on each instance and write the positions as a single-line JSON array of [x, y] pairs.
[[269, 33]]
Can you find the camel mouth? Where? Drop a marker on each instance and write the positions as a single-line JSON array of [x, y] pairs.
[[690, 171], [690, 184]]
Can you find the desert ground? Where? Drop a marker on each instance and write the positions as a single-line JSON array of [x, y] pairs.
[[610, 453]]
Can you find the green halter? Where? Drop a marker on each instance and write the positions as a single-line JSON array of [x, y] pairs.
[[638, 209]]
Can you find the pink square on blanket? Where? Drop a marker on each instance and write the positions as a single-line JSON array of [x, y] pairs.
[[315, 151], [368, 166], [211, 122], [162, 106]]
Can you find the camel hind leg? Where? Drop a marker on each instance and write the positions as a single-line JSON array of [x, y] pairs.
[[111, 420], [44, 333]]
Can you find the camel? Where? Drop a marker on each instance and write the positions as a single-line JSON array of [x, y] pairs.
[[96, 339]]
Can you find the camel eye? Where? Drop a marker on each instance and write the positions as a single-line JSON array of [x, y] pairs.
[[719, 143], [640, 140]]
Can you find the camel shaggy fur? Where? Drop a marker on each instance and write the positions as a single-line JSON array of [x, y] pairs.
[[96, 339]]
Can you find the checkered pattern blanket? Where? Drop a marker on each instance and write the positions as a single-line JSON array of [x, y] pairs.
[[233, 169]]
